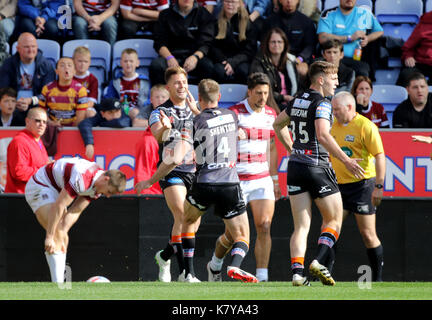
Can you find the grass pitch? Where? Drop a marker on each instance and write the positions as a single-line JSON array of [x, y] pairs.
[[224, 291]]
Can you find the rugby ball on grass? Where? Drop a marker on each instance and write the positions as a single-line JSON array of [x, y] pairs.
[[98, 279]]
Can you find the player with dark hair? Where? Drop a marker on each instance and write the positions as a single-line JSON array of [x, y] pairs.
[[58, 193], [216, 181], [310, 176], [170, 122]]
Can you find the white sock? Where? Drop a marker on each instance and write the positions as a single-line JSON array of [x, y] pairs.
[[216, 263], [57, 264], [262, 274]]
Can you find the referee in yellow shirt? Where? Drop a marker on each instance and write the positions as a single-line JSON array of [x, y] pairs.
[[360, 139]]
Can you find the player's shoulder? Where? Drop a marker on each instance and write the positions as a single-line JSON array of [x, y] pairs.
[[239, 107], [270, 111]]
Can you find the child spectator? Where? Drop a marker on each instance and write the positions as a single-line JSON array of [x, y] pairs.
[[9, 115], [332, 51], [82, 60], [64, 99], [362, 90], [158, 95], [147, 148], [131, 88], [111, 115]]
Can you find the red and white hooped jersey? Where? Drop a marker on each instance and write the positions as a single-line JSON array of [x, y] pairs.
[[75, 175], [252, 162], [96, 5]]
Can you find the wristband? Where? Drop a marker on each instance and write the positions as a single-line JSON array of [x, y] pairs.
[[196, 56], [300, 58], [169, 57], [349, 39], [275, 177]]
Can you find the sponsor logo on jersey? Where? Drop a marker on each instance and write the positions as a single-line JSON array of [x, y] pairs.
[[221, 120], [349, 138]]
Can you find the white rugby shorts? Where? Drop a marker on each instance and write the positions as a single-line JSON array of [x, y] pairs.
[[38, 195], [257, 189]]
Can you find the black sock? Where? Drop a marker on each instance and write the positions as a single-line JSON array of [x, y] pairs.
[[331, 258], [376, 261], [167, 253], [178, 250], [238, 252], [326, 241], [188, 254]]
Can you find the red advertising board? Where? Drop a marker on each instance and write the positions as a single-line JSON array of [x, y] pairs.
[[408, 174]]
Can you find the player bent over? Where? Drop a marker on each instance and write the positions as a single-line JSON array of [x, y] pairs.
[[216, 180], [51, 193]]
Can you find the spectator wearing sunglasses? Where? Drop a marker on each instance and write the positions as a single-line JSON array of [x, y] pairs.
[[26, 152]]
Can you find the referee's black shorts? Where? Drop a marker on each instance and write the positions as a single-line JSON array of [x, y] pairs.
[[227, 198], [357, 196], [320, 182]]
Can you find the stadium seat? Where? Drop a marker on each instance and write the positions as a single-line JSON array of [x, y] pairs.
[[335, 3], [428, 5], [403, 30], [193, 88], [50, 49], [430, 88], [389, 95], [144, 48], [231, 94], [319, 5], [100, 56], [398, 11], [386, 76]]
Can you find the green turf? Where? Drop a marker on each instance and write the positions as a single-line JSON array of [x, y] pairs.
[[214, 291]]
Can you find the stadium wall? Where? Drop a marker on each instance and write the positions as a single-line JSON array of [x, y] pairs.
[[118, 237]]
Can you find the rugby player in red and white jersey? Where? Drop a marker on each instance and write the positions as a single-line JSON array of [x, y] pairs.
[[257, 171], [51, 192]]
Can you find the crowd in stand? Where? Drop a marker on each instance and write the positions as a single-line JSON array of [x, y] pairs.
[[225, 40]]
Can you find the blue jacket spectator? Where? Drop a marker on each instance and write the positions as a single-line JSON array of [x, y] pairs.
[[353, 26], [111, 114], [39, 17], [27, 71]]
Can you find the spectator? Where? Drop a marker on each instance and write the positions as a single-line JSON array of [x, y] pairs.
[[64, 99], [9, 115], [131, 88], [26, 152], [39, 17], [93, 17], [7, 18], [352, 26], [111, 115], [82, 60], [417, 51], [416, 111], [362, 91], [300, 31], [332, 51], [279, 65], [139, 15], [26, 72], [234, 45], [158, 95], [183, 37], [147, 148]]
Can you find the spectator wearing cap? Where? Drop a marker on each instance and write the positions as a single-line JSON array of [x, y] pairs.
[[111, 115]]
